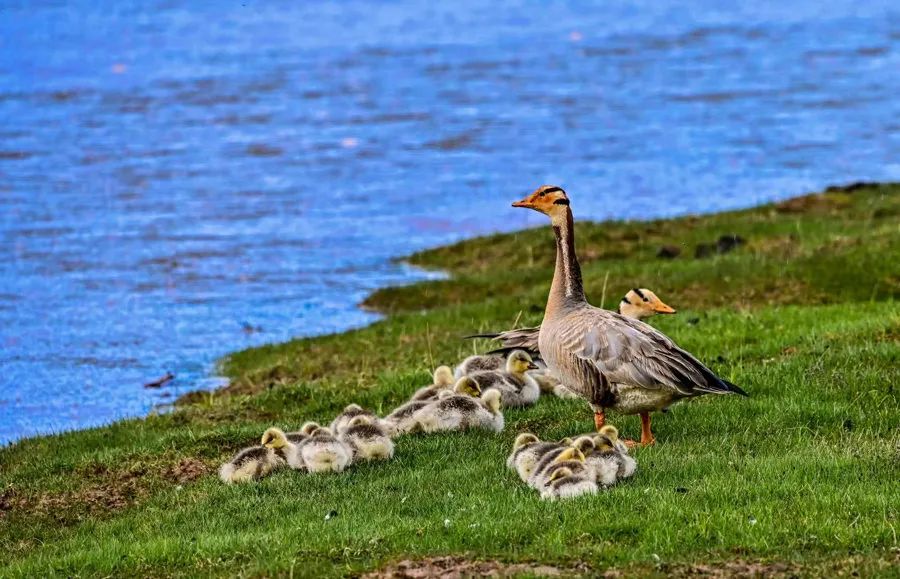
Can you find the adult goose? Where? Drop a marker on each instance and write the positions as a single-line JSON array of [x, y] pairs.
[[614, 362], [638, 304]]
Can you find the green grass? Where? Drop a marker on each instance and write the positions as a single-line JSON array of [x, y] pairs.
[[802, 478]]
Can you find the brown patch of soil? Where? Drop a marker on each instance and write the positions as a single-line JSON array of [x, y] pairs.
[[815, 203], [459, 567], [187, 470]]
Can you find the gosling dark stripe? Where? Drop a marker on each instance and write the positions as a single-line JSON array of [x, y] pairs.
[[640, 294], [561, 202], [552, 190]]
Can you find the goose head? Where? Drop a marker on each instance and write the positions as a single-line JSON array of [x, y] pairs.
[[641, 303], [547, 199], [519, 362]]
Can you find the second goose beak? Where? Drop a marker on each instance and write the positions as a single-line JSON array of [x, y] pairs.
[[523, 203], [661, 308]]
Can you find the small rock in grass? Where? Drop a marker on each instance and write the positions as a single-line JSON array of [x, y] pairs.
[[668, 252]]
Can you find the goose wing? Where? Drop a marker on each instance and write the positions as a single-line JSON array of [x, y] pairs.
[[519, 339], [627, 351]]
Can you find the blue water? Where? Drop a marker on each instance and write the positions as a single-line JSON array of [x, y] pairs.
[[179, 179]]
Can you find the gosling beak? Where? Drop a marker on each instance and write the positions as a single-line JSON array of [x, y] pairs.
[[533, 366], [661, 308]]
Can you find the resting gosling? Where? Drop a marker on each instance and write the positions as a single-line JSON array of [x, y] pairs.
[[367, 440], [322, 452], [250, 464], [285, 449], [518, 388], [629, 465], [566, 483], [568, 456], [351, 411], [527, 451], [461, 412], [443, 380]]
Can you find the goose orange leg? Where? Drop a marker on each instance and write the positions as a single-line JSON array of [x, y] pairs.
[[599, 419], [647, 438]]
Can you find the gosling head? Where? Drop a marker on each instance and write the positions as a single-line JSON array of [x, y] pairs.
[[561, 472], [309, 427], [570, 453], [274, 438], [584, 443], [491, 400], [468, 387], [519, 362], [603, 443], [359, 421], [353, 408], [610, 431], [523, 439], [643, 303], [550, 200], [443, 376]]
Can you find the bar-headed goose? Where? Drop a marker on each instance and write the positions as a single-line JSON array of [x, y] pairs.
[[612, 361]]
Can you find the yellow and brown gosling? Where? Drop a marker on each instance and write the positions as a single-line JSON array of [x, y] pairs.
[[443, 380], [461, 412], [527, 451], [285, 449], [351, 411], [628, 464], [567, 482], [518, 388], [322, 451], [566, 457], [367, 440], [250, 464]]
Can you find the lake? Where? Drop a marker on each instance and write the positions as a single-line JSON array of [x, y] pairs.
[[179, 180]]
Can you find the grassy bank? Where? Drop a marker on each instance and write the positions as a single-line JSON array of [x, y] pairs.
[[802, 478]]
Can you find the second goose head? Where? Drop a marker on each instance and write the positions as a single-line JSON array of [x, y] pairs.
[[641, 303]]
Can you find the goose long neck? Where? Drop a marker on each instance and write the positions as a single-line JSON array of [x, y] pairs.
[[567, 288]]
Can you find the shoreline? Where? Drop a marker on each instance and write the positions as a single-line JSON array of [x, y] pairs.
[[804, 315]]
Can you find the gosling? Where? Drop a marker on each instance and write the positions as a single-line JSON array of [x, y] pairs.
[[351, 411], [367, 440], [518, 388], [461, 412], [443, 380], [550, 461], [322, 452], [285, 449], [527, 451], [250, 464], [566, 483]]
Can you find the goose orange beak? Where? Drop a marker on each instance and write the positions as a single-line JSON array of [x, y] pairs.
[[523, 203], [661, 308]]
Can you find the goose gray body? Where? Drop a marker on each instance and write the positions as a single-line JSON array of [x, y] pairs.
[[612, 361]]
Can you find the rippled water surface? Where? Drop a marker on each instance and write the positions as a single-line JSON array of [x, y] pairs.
[[182, 179]]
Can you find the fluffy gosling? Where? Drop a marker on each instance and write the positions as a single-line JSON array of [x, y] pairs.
[[351, 411], [285, 449], [518, 388], [461, 412], [550, 461], [250, 464], [443, 380], [322, 452], [527, 451], [367, 440], [566, 483], [628, 465]]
